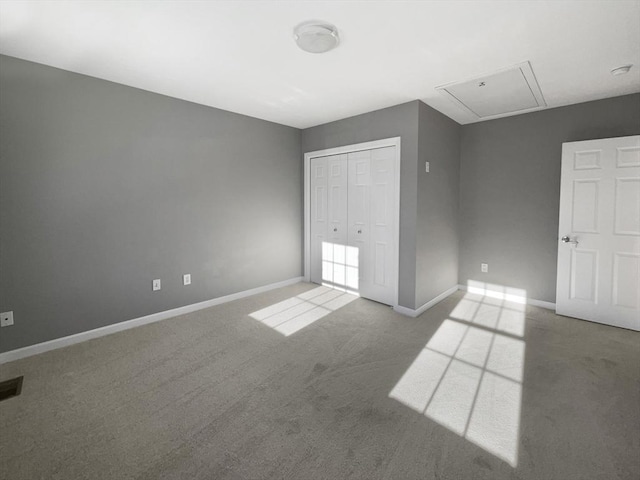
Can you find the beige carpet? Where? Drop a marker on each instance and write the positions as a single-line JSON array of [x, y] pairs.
[[473, 389]]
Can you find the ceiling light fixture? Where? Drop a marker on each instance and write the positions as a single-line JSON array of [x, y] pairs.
[[621, 70], [316, 37]]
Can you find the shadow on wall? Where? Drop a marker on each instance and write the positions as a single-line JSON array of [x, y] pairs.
[[468, 377]]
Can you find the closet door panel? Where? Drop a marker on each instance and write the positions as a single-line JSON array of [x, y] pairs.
[[382, 222], [334, 269], [359, 194], [337, 199], [319, 215], [329, 227]]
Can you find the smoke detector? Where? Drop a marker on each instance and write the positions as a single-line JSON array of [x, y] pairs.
[[316, 37]]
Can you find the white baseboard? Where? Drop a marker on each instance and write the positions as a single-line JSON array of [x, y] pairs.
[[136, 322], [541, 304], [528, 301], [419, 311]]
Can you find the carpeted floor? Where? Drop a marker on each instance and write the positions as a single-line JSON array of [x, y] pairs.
[[472, 389]]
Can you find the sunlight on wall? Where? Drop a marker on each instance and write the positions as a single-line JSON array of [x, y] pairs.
[[291, 315], [500, 292], [468, 378], [494, 307], [340, 266]]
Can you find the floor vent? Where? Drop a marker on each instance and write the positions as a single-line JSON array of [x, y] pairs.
[[10, 388]]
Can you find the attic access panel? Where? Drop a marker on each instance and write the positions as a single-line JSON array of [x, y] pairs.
[[511, 90]]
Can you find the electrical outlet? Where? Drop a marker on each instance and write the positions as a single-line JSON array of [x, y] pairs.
[[186, 279], [484, 267], [6, 319], [156, 285]]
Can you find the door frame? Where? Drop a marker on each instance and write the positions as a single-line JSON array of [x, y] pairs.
[[386, 142]]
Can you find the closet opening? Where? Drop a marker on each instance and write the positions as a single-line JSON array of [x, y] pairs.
[[352, 211]]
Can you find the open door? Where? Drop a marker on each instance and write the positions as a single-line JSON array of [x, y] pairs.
[[599, 232]]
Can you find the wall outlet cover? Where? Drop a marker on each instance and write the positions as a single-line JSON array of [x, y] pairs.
[[6, 319], [484, 267]]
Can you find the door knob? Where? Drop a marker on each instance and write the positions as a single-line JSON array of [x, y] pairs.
[[335, 229], [359, 231], [567, 239]]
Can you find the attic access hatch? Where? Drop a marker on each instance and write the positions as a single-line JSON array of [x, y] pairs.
[[508, 91]]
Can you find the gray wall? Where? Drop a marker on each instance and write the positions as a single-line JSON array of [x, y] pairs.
[[437, 209], [104, 187], [510, 189], [397, 121]]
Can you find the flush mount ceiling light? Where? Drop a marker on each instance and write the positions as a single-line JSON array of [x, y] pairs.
[[316, 37], [621, 70]]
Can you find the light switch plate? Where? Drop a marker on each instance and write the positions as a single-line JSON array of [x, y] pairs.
[[186, 279], [157, 285], [6, 319]]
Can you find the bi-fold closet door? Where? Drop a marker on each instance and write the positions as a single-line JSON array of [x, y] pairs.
[[353, 218]]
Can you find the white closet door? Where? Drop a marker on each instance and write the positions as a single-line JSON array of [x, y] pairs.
[[337, 199], [352, 222], [382, 224], [334, 251], [318, 215], [599, 247], [371, 221], [359, 193], [329, 220]]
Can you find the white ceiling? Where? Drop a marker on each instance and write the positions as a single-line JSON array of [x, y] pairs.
[[240, 56]]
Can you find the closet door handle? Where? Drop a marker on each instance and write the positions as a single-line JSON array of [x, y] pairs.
[[335, 229], [359, 231]]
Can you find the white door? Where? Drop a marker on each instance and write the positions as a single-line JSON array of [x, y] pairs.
[[337, 201], [329, 219], [599, 232], [359, 235], [371, 221], [353, 222], [318, 214]]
